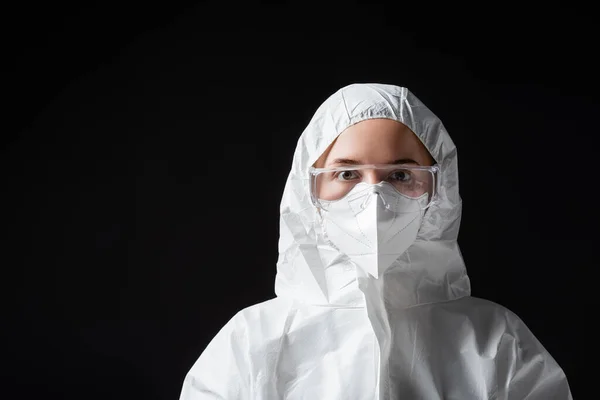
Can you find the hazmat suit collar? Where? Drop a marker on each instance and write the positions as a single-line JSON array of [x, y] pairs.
[[311, 271]]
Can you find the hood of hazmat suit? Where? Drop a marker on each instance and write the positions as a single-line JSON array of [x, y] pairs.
[[335, 331]]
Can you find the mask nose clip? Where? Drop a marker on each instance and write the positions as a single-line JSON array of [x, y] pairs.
[[375, 191]]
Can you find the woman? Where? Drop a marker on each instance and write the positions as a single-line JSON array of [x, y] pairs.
[[373, 299]]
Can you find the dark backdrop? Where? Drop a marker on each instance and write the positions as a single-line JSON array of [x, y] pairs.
[[145, 150]]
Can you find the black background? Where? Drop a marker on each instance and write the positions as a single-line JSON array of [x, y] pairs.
[[145, 149]]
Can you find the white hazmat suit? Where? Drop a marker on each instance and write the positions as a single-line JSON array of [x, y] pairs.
[[337, 332]]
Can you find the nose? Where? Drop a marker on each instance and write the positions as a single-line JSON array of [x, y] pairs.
[[372, 177]]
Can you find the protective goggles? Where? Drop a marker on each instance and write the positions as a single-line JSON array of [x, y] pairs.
[[331, 184]]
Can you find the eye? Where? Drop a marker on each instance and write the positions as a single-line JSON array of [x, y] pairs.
[[346, 175], [401, 175]]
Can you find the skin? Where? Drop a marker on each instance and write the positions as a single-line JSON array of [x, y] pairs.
[[375, 141]]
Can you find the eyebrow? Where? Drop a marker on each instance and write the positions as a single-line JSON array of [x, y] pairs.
[[348, 161]]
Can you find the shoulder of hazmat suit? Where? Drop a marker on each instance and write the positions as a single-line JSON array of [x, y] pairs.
[[335, 331]]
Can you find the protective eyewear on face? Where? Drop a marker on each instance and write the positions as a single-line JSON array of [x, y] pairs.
[[331, 184]]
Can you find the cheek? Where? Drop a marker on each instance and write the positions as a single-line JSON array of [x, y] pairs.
[[332, 190], [323, 191]]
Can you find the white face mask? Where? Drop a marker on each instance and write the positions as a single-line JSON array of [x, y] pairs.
[[373, 225]]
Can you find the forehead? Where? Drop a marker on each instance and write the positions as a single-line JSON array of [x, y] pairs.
[[377, 141]]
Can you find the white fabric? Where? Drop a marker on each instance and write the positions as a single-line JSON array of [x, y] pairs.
[[335, 332], [373, 225]]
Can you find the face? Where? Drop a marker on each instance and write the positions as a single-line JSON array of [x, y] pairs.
[[373, 141]]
